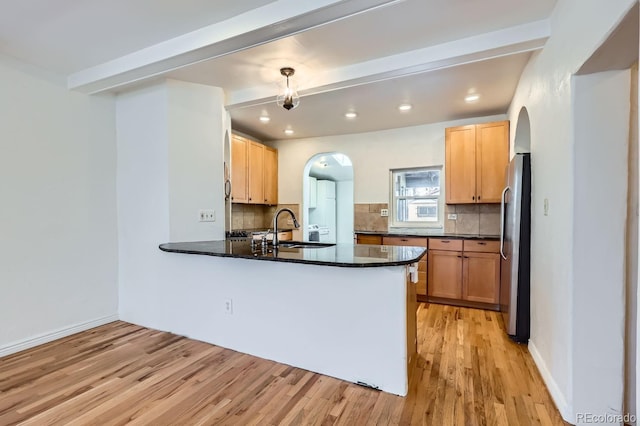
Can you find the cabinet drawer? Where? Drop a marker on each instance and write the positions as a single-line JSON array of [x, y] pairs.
[[482, 246], [404, 241], [368, 239], [445, 244]]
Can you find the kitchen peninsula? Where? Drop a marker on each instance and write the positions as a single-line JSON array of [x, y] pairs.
[[344, 310]]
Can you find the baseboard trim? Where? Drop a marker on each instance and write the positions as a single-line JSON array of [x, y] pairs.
[[55, 334], [556, 394]]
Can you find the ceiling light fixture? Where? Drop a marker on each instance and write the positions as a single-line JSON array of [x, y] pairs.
[[289, 99], [405, 107], [265, 119], [472, 98], [288, 131], [351, 114]]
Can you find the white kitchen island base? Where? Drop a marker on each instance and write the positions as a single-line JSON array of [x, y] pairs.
[[349, 323]]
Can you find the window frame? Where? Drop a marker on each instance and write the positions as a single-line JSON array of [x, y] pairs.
[[393, 200]]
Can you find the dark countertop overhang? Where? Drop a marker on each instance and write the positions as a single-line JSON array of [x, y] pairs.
[[343, 255]]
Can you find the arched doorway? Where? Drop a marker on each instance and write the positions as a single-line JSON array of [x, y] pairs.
[[327, 194]]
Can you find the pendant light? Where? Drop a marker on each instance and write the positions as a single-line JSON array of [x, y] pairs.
[[289, 99]]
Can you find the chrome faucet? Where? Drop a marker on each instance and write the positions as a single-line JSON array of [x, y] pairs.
[[275, 224]]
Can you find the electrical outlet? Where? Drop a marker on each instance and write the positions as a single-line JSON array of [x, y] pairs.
[[384, 212], [546, 207], [228, 306], [207, 215], [452, 216]]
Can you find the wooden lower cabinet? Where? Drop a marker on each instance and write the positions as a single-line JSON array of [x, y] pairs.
[[481, 277], [369, 239], [467, 277], [412, 323], [421, 285], [445, 274]]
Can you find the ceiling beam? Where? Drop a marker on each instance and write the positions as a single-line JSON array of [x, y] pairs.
[[274, 21], [518, 39]]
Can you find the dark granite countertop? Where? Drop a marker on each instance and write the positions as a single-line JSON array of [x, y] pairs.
[[344, 255], [427, 233]]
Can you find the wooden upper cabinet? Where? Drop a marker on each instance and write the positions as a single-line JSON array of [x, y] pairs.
[[476, 158], [270, 175], [239, 170], [254, 172], [460, 170], [492, 157]]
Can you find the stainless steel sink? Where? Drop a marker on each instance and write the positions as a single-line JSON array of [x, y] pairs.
[[304, 244]]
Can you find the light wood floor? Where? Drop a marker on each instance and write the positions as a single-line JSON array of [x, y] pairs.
[[468, 373]]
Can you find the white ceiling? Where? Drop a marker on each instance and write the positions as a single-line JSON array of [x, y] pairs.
[[364, 55]]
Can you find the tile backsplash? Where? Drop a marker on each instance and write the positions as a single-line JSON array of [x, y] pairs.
[[367, 217], [257, 216], [473, 219]]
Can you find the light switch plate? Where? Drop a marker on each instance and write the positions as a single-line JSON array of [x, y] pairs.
[[452, 216], [546, 207], [207, 215], [384, 212]]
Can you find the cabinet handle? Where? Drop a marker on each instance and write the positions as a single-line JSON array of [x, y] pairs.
[[482, 244], [473, 198], [249, 198], [458, 257], [478, 198], [403, 239], [445, 241], [466, 257]]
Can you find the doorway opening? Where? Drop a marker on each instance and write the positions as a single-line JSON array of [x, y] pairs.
[[327, 198]]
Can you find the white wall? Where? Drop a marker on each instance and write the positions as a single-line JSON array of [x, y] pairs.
[[170, 164], [196, 125], [372, 155], [632, 251], [578, 28], [58, 251], [601, 136]]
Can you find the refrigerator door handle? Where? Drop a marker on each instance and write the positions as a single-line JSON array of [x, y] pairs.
[[502, 211]]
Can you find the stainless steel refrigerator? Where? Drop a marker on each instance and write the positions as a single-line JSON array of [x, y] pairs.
[[515, 248]]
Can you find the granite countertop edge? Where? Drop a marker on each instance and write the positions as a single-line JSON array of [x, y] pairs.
[[425, 234], [220, 252]]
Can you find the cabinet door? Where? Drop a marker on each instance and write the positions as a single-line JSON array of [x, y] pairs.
[[239, 170], [313, 193], [460, 164], [270, 175], [481, 277], [492, 157], [256, 173], [445, 274]]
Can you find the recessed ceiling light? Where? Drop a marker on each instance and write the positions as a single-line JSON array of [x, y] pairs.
[[472, 98], [288, 131], [405, 107], [351, 114], [265, 119]]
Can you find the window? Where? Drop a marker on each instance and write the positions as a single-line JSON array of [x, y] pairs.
[[416, 197]]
